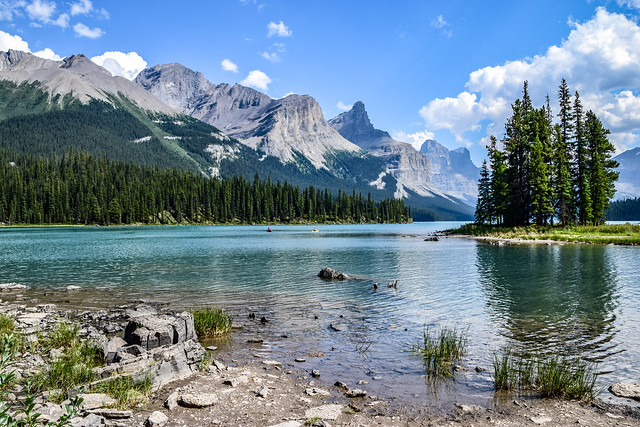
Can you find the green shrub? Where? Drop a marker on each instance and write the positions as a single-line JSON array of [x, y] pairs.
[[552, 376], [442, 350], [126, 391], [211, 321]]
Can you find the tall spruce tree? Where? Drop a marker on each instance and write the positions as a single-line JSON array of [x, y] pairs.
[[483, 206], [565, 207], [582, 193], [499, 183], [601, 167]]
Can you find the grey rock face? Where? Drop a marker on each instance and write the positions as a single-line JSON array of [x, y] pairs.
[[628, 184], [453, 172], [151, 332], [411, 168], [77, 76], [277, 127]]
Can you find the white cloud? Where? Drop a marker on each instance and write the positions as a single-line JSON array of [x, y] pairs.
[[344, 107], [416, 139], [10, 8], [62, 21], [227, 65], [599, 59], [47, 53], [127, 65], [81, 8], [278, 29], [40, 10], [7, 41], [633, 4], [273, 57], [84, 31], [257, 79]]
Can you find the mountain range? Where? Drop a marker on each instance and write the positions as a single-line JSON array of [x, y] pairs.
[[171, 116], [628, 184]]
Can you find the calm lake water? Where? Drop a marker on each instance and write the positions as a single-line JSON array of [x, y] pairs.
[[570, 299]]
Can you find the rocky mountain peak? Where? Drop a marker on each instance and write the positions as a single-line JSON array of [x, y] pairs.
[[355, 126]]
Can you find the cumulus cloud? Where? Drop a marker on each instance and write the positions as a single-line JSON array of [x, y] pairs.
[[278, 29], [84, 31], [227, 65], [62, 21], [127, 65], [10, 8], [7, 41], [41, 11], [416, 139], [344, 107], [81, 8], [257, 79], [633, 4], [599, 59], [47, 53]]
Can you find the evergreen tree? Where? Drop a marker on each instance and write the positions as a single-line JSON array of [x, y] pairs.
[[563, 157], [483, 206], [582, 195], [601, 168]]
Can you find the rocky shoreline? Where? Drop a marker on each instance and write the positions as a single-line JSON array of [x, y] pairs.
[[233, 385]]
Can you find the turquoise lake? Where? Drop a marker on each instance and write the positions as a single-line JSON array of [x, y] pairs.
[[578, 300]]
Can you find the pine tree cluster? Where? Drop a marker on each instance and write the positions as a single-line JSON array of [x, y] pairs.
[[78, 188], [541, 172]]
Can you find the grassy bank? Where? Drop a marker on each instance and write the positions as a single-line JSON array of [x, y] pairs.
[[618, 234]]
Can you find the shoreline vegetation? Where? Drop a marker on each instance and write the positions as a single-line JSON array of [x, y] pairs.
[[605, 234]]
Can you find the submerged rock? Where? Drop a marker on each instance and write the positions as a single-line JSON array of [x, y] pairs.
[[626, 390], [330, 273]]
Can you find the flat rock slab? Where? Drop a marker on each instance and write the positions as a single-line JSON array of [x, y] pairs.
[[314, 391], [112, 414], [288, 424], [626, 390], [326, 412], [156, 419], [95, 400], [201, 400], [540, 420], [235, 382], [271, 363]]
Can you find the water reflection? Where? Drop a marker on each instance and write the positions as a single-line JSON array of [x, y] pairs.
[[552, 299]]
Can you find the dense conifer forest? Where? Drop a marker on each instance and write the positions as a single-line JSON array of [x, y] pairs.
[[624, 210], [541, 172], [78, 188]]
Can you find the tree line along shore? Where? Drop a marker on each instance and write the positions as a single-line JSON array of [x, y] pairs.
[[78, 188]]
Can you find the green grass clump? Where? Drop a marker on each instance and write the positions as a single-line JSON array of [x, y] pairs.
[[211, 321], [552, 376], [127, 392], [6, 324], [442, 350], [72, 365]]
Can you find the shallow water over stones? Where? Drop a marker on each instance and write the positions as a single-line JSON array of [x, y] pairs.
[[568, 299]]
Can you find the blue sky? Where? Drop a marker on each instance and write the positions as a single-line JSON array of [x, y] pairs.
[[447, 70]]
